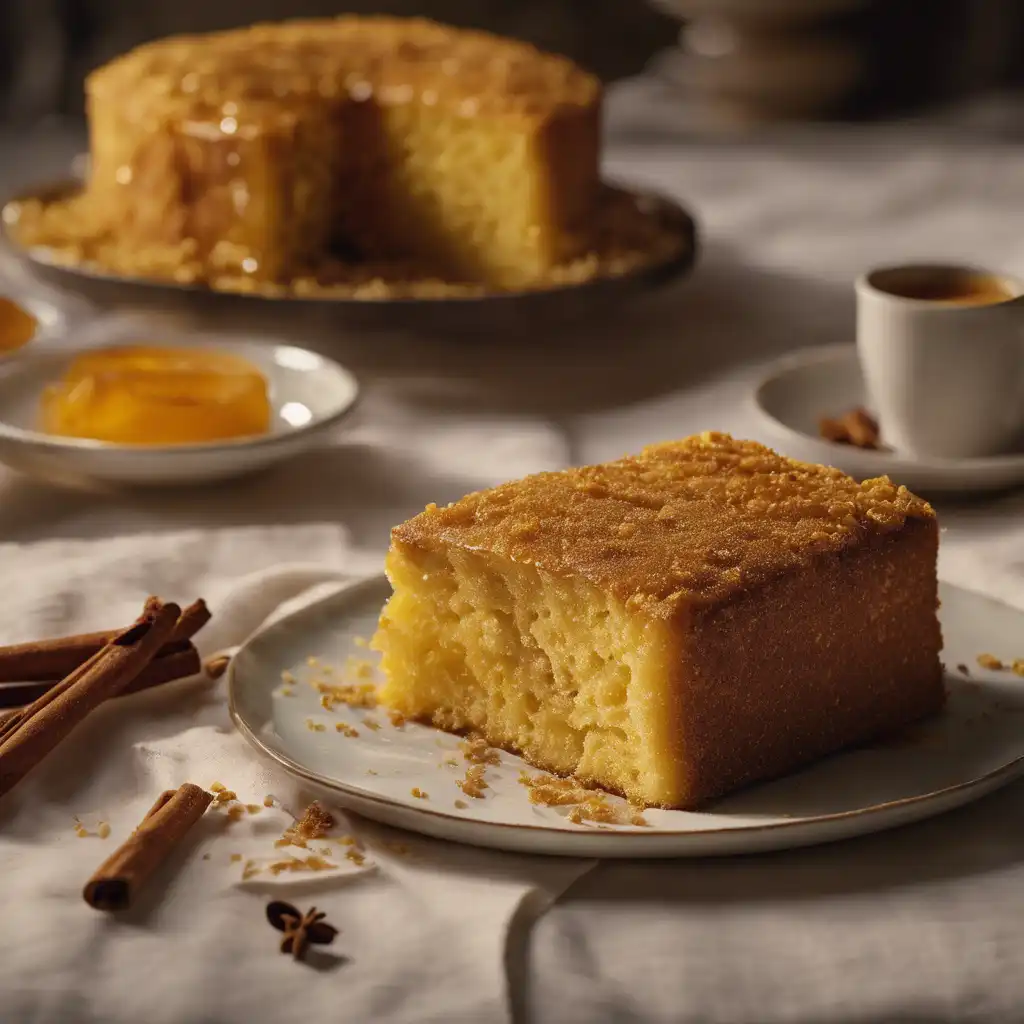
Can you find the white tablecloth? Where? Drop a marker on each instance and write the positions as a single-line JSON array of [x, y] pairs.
[[923, 924]]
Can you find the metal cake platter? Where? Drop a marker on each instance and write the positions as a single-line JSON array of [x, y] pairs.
[[563, 302]]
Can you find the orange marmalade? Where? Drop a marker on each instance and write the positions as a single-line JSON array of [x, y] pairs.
[[17, 327], [149, 395]]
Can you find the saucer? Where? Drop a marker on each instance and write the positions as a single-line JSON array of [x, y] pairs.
[[798, 390], [309, 394]]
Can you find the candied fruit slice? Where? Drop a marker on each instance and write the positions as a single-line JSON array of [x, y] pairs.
[[17, 326], [157, 396]]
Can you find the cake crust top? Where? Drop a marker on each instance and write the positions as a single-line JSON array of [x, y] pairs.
[[252, 75], [697, 520]]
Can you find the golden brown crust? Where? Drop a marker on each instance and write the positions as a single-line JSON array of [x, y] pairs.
[[256, 75], [813, 663], [689, 522]]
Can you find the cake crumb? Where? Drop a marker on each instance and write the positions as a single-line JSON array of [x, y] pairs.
[[419, 793], [461, 805], [288, 678], [474, 784], [397, 718], [315, 726], [287, 691], [451, 763], [314, 862], [268, 801], [370, 771], [312, 662], [586, 805], [361, 641], [990, 661], [317, 863], [595, 810], [356, 856], [346, 730], [217, 787], [963, 670], [358, 668], [315, 823], [371, 723], [354, 695], [1018, 666], [224, 797], [236, 858], [102, 830], [477, 750], [253, 808], [236, 812]]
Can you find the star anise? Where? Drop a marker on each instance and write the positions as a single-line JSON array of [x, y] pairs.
[[299, 929]]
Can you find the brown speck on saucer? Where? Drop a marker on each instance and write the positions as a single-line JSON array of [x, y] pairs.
[[856, 427]]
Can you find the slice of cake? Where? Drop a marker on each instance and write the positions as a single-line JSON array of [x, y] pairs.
[[670, 626]]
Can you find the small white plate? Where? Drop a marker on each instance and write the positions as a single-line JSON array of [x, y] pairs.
[[801, 388], [308, 393], [976, 746]]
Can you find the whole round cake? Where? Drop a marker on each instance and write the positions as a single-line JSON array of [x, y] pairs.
[[251, 153]]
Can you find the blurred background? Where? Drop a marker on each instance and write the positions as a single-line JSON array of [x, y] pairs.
[[725, 62]]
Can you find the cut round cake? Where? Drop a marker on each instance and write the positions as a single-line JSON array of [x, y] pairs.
[[670, 626], [255, 150]]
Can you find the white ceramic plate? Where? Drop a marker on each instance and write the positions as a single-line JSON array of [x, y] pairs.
[[309, 394], [975, 747], [800, 388]]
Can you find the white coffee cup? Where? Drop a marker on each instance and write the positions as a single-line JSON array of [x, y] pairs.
[[942, 353]]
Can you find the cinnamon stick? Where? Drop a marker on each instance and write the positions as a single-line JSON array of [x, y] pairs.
[[119, 878], [8, 724], [45, 660], [165, 668], [28, 738]]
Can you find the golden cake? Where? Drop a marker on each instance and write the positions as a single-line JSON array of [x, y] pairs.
[[253, 151], [670, 626]]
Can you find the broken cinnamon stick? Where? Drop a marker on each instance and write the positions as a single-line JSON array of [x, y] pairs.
[[29, 737], [120, 877], [165, 668], [44, 660]]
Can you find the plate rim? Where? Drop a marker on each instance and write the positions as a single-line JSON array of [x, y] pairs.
[[844, 352], [345, 590], [40, 440], [653, 275]]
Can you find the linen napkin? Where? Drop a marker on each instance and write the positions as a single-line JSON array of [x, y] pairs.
[[429, 931]]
